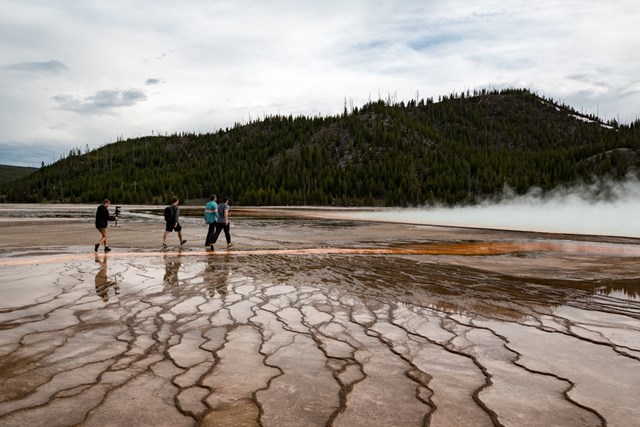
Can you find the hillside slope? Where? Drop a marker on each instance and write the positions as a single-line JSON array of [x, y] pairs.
[[457, 150], [10, 173]]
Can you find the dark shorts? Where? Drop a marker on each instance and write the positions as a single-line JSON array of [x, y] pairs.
[[170, 227]]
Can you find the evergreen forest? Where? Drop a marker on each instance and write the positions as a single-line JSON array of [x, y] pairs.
[[458, 149]]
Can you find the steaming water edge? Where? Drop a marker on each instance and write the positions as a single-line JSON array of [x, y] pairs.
[[573, 211]]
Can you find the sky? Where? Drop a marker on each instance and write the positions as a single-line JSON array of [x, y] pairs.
[[83, 74]]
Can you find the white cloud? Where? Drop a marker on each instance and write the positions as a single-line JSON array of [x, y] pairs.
[[103, 101], [39, 67], [198, 66]]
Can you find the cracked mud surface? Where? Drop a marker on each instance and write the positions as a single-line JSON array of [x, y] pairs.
[[318, 322]]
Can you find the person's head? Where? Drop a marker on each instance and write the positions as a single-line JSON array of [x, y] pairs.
[[175, 201], [225, 199], [213, 197], [106, 202]]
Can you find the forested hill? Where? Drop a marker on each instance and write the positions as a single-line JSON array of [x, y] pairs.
[[11, 173], [456, 149]]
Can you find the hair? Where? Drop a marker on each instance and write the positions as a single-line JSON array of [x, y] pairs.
[[105, 201], [174, 200], [213, 197], [225, 199]]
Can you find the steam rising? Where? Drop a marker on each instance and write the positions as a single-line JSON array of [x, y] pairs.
[[603, 207]]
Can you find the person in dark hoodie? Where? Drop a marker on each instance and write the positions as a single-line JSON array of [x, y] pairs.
[[173, 223], [102, 224]]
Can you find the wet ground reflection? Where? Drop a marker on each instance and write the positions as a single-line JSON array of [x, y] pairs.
[[409, 334]]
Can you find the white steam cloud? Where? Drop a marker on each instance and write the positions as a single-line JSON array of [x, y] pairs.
[[603, 207]]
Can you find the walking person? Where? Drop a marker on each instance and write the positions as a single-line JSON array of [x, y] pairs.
[[223, 222], [211, 218], [172, 219], [102, 224]]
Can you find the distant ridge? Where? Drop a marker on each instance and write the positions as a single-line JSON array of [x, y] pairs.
[[460, 148], [11, 173]]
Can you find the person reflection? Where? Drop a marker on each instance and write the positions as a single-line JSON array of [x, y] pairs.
[[172, 263], [624, 289], [216, 275], [102, 281]]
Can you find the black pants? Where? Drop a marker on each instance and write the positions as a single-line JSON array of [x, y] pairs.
[[212, 231], [219, 228]]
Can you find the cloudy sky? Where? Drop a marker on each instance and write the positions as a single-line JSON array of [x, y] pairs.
[[86, 73]]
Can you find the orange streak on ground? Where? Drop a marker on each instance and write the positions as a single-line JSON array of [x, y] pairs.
[[459, 249]]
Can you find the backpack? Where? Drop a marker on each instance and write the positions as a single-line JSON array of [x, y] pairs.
[[169, 214]]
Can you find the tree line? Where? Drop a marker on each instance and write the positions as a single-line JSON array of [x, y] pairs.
[[460, 149]]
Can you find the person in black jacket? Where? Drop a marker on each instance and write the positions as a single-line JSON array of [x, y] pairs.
[[102, 222], [173, 223]]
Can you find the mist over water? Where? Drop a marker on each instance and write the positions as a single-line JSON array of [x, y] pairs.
[[603, 207]]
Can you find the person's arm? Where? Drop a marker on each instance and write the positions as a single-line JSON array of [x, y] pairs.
[[105, 213], [176, 217]]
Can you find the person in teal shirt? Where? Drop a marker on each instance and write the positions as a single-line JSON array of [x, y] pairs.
[[211, 218], [223, 222]]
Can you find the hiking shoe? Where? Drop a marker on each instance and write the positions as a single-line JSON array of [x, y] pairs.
[[96, 246], [229, 245], [183, 242], [107, 249]]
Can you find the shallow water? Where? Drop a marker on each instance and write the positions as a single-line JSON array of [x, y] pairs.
[[498, 332]]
